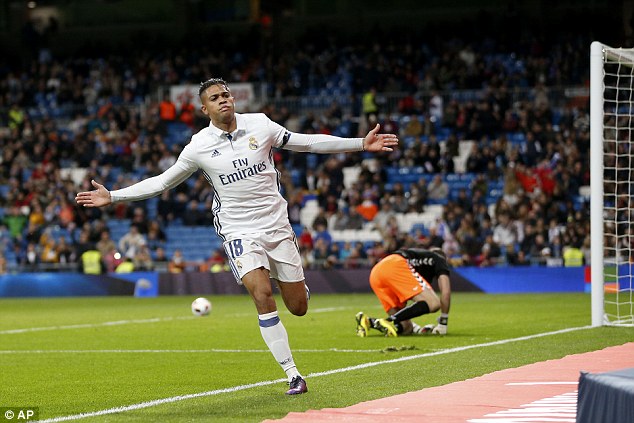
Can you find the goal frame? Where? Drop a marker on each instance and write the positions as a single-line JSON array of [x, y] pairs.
[[599, 53]]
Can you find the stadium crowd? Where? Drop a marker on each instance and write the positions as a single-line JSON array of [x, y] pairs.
[[104, 116]]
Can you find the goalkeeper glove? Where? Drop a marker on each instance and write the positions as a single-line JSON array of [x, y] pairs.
[[441, 327]]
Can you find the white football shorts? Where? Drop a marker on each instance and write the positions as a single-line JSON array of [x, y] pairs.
[[276, 250]]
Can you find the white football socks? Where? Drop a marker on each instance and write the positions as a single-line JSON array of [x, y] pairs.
[[274, 334]]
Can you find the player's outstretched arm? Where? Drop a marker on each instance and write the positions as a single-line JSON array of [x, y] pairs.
[[97, 198], [379, 142]]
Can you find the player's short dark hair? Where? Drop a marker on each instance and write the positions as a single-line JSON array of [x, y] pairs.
[[208, 83]]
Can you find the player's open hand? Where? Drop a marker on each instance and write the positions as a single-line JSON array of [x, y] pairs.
[[96, 198], [379, 142]]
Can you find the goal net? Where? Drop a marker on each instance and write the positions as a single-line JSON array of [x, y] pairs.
[[612, 184]]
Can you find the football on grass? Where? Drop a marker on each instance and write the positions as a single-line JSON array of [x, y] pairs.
[[201, 306]]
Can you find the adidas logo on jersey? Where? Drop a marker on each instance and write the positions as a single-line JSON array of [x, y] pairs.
[[216, 153]]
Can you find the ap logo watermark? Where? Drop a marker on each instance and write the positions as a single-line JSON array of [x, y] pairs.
[[18, 414]]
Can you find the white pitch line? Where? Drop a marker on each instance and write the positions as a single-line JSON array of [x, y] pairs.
[[311, 375], [159, 402], [136, 321], [94, 325], [211, 350], [539, 383]]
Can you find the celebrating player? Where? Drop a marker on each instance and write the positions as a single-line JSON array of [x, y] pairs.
[[250, 215], [405, 276]]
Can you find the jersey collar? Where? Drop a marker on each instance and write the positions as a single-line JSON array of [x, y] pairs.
[[241, 125]]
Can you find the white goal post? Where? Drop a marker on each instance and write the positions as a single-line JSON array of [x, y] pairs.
[[612, 184]]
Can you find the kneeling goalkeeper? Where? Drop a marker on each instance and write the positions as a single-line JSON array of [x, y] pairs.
[[406, 276]]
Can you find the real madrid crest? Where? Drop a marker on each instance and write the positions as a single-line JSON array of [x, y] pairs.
[[253, 144], [239, 264]]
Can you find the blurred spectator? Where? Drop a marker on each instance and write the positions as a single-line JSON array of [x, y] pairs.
[[295, 207], [126, 266], [585, 249], [370, 107], [217, 262], [143, 259], [531, 151], [194, 215], [65, 251], [131, 242], [539, 250], [368, 208], [573, 256], [516, 258], [436, 108], [49, 251], [438, 190], [376, 253], [321, 252], [505, 232], [413, 128], [331, 205], [165, 207], [333, 260], [345, 251], [111, 259], [160, 258], [187, 113], [167, 111], [90, 262], [398, 199], [105, 245], [139, 220], [83, 244], [155, 236], [355, 220], [66, 213], [462, 200], [30, 258], [434, 239], [357, 258], [340, 220], [320, 221], [15, 221], [321, 233], [382, 217], [305, 240], [177, 263], [489, 254]]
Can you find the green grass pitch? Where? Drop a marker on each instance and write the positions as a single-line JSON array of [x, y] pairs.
[[82, 355]]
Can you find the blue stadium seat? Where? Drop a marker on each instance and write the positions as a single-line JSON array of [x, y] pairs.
[[443, 133], [297, 228], [419, 227], [516, 137], [177, 133]]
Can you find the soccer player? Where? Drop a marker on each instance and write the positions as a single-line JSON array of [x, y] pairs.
[[250, 215], [406, 276]]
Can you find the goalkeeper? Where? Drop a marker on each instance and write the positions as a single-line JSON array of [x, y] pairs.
[[403, 277]]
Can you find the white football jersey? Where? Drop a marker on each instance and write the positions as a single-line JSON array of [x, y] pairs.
[[240, 167]]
